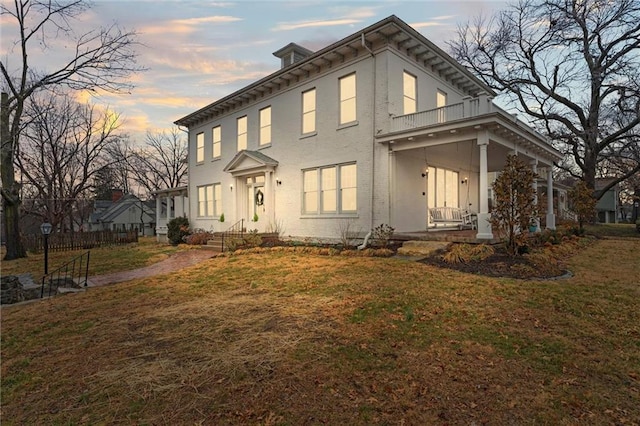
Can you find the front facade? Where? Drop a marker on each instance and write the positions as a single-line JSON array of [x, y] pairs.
[[379, 128]]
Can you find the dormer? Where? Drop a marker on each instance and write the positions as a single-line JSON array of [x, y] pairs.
[[291, 53]]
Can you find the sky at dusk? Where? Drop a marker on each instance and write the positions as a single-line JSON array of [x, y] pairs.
[[199, 51]]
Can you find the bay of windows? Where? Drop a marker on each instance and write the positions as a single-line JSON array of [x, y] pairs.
[[331, 189], [210, 200]]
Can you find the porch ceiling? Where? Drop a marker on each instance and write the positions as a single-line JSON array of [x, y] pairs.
[[505, 135]]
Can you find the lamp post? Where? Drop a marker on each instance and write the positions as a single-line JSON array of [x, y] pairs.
[[45, 228]]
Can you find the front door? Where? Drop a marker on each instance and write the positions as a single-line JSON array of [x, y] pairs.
[[256, 200]]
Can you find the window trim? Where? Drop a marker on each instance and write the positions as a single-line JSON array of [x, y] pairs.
[[245, 134], [261, 127], [406, 73], [314, 111], [206, 203], [337, 189], [200, 148], [342, 101], [214, 142]]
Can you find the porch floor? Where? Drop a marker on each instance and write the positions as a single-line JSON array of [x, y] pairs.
[[448, 235]]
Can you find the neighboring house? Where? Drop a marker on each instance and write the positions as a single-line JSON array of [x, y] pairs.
[[381, 127], [125, 214], [608, 206]]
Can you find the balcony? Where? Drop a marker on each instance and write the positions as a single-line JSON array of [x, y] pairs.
[[468, 108]]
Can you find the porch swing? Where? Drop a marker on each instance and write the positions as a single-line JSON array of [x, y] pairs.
[[447, 217]]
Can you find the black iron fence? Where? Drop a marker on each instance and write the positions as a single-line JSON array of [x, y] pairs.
[[79, 240], [72, 274]]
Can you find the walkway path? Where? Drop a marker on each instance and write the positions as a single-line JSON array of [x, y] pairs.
[[177, 261]]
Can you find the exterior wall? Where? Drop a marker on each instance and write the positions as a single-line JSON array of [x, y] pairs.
[[331, 144], [427, 85]]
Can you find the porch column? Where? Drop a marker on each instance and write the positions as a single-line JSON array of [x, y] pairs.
[[551, 218], [158, 212], [534, 168], [484, 226], [179, 205], [268, 201]]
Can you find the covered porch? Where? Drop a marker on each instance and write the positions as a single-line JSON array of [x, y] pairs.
[[170, 203], [448, 158]]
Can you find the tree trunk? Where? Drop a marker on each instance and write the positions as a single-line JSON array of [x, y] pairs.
[[10, 190]]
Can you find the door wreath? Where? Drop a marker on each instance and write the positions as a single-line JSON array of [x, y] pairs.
[[259, 198]]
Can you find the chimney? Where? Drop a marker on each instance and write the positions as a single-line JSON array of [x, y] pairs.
[[291, 53], [116, 195]]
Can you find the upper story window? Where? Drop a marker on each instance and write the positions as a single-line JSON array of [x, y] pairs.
[[441, 101], [348, 99], [409, 83], [309, 111], [265, 126], [210, 200], [331, 189], [216, 134], [242, 133], [200, 148]]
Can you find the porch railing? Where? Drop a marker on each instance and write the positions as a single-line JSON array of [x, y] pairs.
[[235, 231], [470, 107], [72, 274]]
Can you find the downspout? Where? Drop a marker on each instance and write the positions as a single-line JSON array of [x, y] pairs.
[[373, 138]]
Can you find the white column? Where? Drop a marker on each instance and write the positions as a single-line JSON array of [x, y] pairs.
[[179, 205], [534, 168], [551, 218], [484, 226]]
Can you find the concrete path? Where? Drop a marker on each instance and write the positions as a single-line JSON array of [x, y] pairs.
[[176, 262]]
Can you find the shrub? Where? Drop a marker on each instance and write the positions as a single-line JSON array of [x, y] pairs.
[[583, 203], [221, 218], [198, 237], [638, 225], [252, 239], [347, 232], [515, 203], [177, 229], [381, 234]]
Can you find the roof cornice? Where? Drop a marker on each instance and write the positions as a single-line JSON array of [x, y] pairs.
[[388, 29]]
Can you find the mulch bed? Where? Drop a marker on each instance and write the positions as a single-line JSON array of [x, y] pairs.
[[499, 264]]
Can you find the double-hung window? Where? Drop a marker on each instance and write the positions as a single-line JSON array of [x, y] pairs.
[[441, 103], [348, 99], [210, 200], [309, 111], [409, 83], [265, 126], [200, 148], [242, 133], [216, 134], [330, 190]]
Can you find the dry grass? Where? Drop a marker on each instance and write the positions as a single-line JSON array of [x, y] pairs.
[[293, 338], [103, 260]]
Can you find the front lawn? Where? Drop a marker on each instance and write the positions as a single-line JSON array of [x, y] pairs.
[[292, 338], [104, 260]]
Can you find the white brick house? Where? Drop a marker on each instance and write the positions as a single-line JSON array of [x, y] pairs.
[[379, 127]]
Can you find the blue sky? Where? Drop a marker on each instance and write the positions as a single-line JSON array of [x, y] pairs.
[[199, 51]]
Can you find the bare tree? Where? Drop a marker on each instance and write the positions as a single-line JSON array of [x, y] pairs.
[[100, 59], [62, 148], [571, 65], [161, 162]]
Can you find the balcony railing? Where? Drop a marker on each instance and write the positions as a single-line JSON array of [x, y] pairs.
[[470, 107]]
